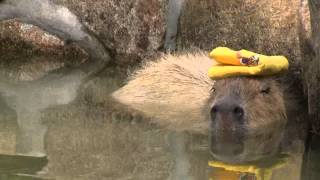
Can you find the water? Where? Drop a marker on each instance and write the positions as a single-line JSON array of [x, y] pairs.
[[311, 168], [95, 138]]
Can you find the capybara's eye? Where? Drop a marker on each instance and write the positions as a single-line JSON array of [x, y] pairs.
[[213, 89], [265, 90], [238, 111]]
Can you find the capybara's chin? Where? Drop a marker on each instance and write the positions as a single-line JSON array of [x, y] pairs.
[[248, 149], [241, 158], [242, 143]]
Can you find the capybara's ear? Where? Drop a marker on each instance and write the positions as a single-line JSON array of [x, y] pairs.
[[173, 91]]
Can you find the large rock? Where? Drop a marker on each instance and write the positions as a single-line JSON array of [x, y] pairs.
[[268, 27], [310, 46], [131, 29], [27, 52]]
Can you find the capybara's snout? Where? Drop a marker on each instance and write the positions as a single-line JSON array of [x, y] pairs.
[[227, 127], [227, 109]]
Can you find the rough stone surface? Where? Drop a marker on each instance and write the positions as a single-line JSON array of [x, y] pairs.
[[310, 46], [267, 27], [27, 52], [131, 29]]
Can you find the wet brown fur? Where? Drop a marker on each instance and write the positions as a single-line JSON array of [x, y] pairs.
[[172, 90]]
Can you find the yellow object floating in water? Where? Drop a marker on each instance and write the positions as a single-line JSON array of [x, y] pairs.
[[262, 170], [245, 63]]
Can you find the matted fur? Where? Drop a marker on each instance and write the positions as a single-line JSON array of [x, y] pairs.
[[172, 90]]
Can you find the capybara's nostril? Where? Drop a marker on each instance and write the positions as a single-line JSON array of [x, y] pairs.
[[213, 112], [238, 112]]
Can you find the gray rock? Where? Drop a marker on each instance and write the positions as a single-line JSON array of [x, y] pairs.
[[132, 29], [27, 52], [268, 27]]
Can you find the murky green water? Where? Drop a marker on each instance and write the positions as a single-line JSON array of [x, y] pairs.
[[94, 139]]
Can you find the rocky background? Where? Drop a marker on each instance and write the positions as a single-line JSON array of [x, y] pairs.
[[134, 31], [310, 48], [266, 27]]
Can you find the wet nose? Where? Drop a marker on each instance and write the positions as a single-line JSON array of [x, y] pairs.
[[230, 109]]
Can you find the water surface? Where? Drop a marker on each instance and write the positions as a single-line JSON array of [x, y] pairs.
[[95, 138]]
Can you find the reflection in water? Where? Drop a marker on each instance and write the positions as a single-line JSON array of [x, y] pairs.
[[311, 169], [261, 170], [90, 140], [11, 164], [28, 99]]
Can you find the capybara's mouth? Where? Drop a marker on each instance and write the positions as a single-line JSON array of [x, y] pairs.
[[228, 159], [238, 158]]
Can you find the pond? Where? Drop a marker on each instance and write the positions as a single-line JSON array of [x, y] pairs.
[[93, 138]]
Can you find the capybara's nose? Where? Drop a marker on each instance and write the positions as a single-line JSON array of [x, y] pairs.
[[228, 109]]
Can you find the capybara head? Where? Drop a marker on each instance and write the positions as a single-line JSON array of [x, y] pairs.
[[244, 117], [247, 118]]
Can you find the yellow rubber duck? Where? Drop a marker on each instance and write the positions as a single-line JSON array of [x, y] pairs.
[[262, 170], [245, 63]]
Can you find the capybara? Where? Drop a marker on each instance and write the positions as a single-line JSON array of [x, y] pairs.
[[245, 117]]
